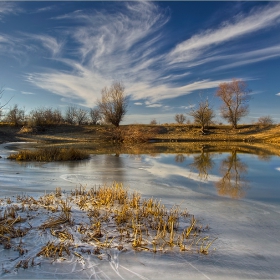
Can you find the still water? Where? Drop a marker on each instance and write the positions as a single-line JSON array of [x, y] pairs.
[[237, 194]]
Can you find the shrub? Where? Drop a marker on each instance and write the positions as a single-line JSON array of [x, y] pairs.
[[180, 118], [50, 154], [265, 121], [45, 117], [132, 134], [15, 116]]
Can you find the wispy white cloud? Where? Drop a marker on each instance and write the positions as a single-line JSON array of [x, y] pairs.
[[187, 107], [124, 45], [27, 92], [48, 42], [7, 8], [138, 103], [278, 94], [156, 105], [45, 9], [10, 89], [242, 25], [249, 57]]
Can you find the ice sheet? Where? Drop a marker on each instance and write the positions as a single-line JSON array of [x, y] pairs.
[[248, 245]]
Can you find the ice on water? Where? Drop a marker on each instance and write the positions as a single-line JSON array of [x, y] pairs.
[[248, 244]]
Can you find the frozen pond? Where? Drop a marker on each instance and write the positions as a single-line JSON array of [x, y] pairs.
[[237, 195]]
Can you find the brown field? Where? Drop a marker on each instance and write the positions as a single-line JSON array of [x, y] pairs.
[[96, 137]]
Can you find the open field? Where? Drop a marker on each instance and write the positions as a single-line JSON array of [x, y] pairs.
[[98, 135]]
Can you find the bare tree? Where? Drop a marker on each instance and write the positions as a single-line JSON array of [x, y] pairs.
[[70, 115], [4, 104], [235, 97], [203, 114], [94, 115], [113, 103], [265, 121], [81, 116], [45, 117], [15, 116], [153, 122], [180, 118]]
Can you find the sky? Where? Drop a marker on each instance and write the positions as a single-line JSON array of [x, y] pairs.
[[168, 55]]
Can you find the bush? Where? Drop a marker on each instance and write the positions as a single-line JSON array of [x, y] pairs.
[[180, 118], [50, 154], [132, 134], [45, 117], [15, 116], [265, 121]]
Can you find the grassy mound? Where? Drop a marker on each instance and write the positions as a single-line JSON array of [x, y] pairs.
[[50, 154]]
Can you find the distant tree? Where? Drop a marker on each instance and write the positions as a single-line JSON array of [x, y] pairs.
[[95, 115], [70, 115], [81, 116], [203, 114], [180, 118], [2, 105], [113, 103], [265, 121], [45, 117], [153, 122], [15, 116], [235, 97]]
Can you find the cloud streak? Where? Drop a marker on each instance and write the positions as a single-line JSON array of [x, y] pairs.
[[124, 45], [243, 25]]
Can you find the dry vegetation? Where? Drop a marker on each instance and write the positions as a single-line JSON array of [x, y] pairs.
[[50, 154], [88, 222], [135, 134]]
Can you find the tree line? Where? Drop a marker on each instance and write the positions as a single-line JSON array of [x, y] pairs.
[[112, 107], [235, 97]]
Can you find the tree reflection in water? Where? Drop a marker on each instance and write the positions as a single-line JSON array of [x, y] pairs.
[[203, 163], [180, 158], [232, 183], [232, 169]]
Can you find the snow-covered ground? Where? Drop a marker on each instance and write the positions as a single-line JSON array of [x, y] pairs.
[[246, 221]]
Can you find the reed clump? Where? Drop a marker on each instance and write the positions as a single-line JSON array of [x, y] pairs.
[[90, 221], [50, 154]]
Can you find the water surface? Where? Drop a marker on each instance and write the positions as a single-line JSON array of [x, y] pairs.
[[237, 194]]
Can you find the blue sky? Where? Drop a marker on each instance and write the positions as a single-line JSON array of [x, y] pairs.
[[167, 54]]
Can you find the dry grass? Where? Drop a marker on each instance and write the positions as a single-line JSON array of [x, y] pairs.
[[92, 221], [140, 133], [50, 154]]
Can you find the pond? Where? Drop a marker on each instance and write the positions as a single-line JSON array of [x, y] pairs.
[[235, 192]]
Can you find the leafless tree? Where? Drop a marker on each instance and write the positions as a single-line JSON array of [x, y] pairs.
[[153, 122], [2, 105], [180, 118], [203, 114], [15, 116], [45, 117], [235, 97], [94, 115], [81, 116], [265, 121], [113, 104], [70, 115]]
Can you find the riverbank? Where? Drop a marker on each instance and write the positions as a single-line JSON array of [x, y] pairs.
[[160, 133]]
